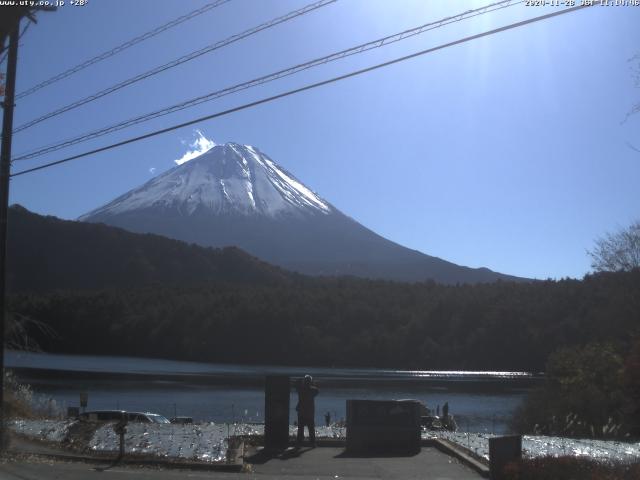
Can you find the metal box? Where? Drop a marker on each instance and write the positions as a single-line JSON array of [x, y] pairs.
[[382, 426]]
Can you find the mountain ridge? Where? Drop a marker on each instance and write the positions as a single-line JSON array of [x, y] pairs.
[[47, 253], [236, 195]]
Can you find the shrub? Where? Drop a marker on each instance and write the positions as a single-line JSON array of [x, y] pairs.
[[584, 396], [21, 402]]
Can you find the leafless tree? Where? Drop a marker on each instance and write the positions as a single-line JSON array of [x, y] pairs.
[[635, 68], [17, 332], [619, 251]]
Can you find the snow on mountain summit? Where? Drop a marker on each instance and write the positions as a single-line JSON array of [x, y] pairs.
[[230, 178]]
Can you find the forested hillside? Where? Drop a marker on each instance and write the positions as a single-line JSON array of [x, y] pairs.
[[345, 321], [46, 253]]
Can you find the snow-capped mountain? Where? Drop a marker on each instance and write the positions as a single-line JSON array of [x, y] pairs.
[[228, 179], [236, 195]]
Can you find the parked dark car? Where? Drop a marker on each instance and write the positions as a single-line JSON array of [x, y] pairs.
[[183, 420], [103, 415]]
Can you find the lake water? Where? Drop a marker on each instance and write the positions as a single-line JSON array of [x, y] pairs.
[[480, 401]]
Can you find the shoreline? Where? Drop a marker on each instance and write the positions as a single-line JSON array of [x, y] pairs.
[[474, 382]]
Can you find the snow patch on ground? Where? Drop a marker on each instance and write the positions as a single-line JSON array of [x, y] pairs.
[[538, 446], [205, 442], [208, 442], [248, 429], [49, 430]]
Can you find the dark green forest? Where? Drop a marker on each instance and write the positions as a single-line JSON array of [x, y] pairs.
[[344, 321], [101, 290], [46, 253]]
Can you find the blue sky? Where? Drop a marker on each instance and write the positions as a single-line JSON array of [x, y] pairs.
[[509, 152]]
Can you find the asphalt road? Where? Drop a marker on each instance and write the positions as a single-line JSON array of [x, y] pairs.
[[307, 464]]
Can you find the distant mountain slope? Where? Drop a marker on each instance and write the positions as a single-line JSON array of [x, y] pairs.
[[47, 253], [236, 195]]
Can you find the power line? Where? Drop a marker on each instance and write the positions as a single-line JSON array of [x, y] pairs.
[[122, 47], [305, 88], [380, 42], [179, 61]]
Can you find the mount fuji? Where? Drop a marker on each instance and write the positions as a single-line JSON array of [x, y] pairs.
[[236, 195]]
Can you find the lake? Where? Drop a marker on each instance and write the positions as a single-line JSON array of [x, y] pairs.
[[221, 393]]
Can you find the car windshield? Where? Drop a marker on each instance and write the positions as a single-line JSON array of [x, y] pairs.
[[158, 418]]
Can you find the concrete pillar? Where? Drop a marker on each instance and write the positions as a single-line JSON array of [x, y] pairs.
[[276, 412]]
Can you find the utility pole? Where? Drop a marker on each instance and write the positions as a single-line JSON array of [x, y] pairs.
[[9, 28], [5, 171]]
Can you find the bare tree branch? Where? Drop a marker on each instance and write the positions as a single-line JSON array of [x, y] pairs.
[[618, 251], [635, 73], [17, 331], [632, 147]]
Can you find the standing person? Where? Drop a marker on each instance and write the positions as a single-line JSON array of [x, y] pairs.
[[306, 409]]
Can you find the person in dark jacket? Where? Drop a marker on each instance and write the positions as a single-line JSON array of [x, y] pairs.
[[306, 408]]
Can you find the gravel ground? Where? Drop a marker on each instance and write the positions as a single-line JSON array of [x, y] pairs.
[[537, 446], [207, 442]]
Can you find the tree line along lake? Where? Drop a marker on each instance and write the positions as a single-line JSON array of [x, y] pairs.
[[228, 393]]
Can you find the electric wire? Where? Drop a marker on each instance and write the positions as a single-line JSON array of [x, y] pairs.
[[380, 42], [120, 48], [179, 61], [305, 88]]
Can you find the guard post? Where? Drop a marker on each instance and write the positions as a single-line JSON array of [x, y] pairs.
[[120, 429], [276, 412]]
